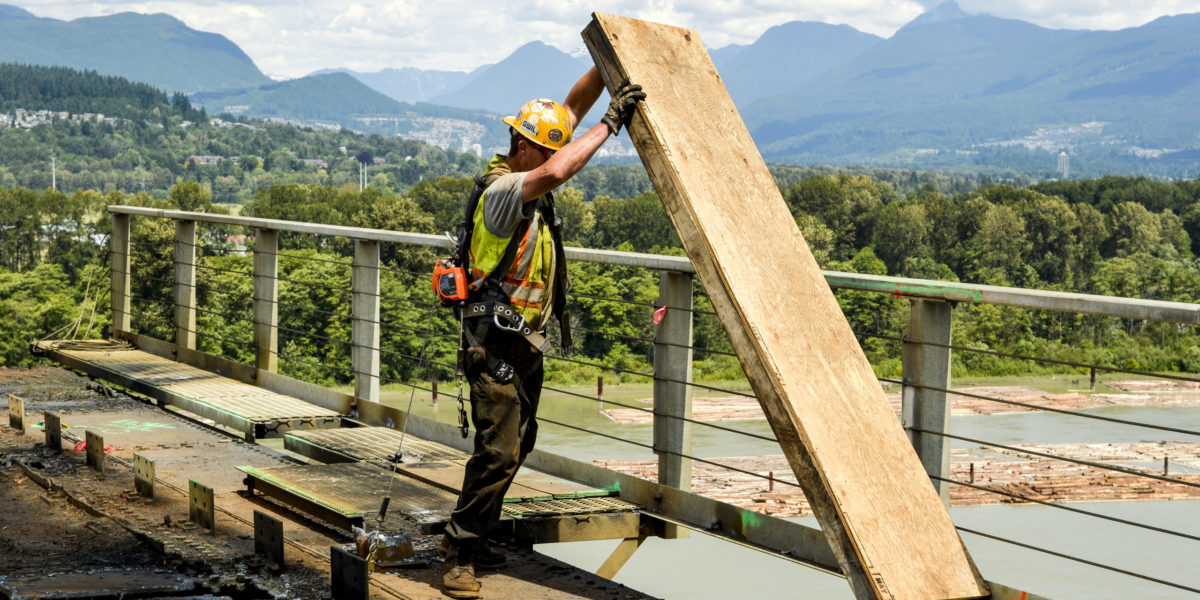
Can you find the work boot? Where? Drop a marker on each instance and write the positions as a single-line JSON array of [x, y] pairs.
[[459, 580], [485, 557]]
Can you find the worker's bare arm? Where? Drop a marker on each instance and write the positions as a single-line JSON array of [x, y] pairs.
[[564, 164], [583, 95]]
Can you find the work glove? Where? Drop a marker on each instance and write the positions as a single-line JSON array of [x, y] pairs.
[[624, 102]]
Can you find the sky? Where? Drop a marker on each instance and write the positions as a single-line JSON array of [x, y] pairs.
[[292, 38]]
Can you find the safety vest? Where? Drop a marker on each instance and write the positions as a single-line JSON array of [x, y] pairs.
[[529, 281]]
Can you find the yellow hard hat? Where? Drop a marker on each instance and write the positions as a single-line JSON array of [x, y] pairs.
[[544, 122]]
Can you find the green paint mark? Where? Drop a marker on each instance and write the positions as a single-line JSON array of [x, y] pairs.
[[127, 426], [751, 520], [912, 289]]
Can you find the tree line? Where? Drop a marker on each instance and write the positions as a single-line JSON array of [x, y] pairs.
[[1119, 236]]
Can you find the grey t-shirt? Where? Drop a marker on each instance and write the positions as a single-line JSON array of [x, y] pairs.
[[503, 208]]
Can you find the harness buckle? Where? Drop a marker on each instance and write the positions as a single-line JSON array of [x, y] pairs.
[[511, 316]]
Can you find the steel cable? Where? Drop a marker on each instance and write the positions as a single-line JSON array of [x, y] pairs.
[[667, 416], [1068, 508], [1078, 461], [1053, 361], [1079, 560], [671, 452], [1047, 408]]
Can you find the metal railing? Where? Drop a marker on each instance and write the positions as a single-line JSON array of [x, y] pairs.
[[369, 300]]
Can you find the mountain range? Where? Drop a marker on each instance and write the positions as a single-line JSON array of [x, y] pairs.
[[156, 49], [948, 89]]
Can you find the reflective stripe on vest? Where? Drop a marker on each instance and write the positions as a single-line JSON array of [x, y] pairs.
[[532, 268]]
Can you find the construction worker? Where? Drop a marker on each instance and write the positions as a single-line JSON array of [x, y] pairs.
[[519, 272]]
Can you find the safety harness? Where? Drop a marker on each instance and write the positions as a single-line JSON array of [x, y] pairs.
[[487, 306]]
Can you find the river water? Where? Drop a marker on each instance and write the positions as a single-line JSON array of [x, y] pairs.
[[702, 567]]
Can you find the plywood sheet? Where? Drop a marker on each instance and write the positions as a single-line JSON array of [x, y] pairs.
[[891, 533]]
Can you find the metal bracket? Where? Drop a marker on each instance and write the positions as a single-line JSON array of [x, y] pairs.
[[143, 476], [620, 555], [52, 425], [268, 539], [16, 413], [95, 451], [200, 505], [348, 575]]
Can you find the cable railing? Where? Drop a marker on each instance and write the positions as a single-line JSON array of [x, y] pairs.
[[371, 297]]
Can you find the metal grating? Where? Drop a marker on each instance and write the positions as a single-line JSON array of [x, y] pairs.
[[567, 506], [378, 444]]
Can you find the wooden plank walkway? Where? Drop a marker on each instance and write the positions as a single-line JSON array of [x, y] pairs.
[[892, 536]]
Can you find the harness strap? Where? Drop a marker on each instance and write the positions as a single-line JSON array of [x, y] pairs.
[[562, 283], [503, 317]]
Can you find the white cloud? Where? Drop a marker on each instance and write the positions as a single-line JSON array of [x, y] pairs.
[[291, 39]]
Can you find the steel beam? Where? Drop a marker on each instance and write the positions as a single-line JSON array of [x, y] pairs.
[[185, 285], [365, 318], [348, 575], [672, 394], [1126, 308], [53, 429], [119, 257], [16, 413], [928, 366], [264, 483], [266, 299], [143, 476], [268, 539], [571, 528], [94, 451], [620, 555], [201, 509]]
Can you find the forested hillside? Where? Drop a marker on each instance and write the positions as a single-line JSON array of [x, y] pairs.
[[144, 139], [1128, 237]]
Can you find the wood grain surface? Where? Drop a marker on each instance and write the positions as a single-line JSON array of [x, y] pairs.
[[891, 533]]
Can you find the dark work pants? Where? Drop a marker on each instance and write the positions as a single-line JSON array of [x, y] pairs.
[[505, 431]]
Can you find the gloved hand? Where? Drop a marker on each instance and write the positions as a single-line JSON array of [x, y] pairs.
[[624, 102]]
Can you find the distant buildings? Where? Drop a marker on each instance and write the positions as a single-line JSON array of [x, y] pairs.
[[203, 159], [1064, 165], [28, 119]]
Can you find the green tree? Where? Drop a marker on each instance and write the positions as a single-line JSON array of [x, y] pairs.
[[641, 221], [1135, 230], [33, 305], [901, 233], [191, 196], [445, 198], [818, 237], [578, 222], [1003, 242]]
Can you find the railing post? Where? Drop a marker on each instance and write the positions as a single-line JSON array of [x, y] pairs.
[[119, 257], [672, 372], [364, 358], [266, 298], [185, 286], [928, 366]]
